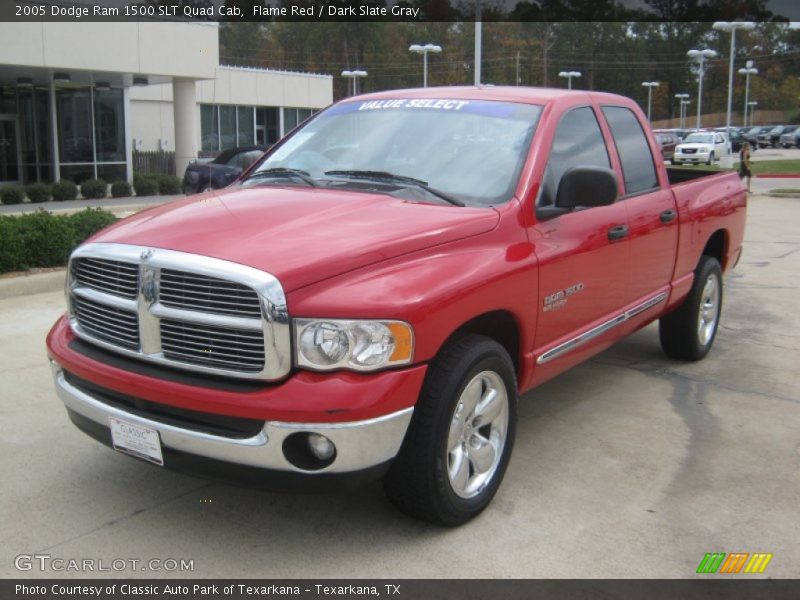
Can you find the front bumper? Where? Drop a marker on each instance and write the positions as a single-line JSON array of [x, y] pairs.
[[360, 445], [365, 415], [699, 157]]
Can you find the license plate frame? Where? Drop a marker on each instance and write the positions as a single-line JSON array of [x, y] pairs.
[[136, 440]]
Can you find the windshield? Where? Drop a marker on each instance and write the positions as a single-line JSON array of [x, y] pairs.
[[469, 150], [699, 138]]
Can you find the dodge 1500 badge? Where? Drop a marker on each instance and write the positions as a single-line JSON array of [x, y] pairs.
[[371, 297]]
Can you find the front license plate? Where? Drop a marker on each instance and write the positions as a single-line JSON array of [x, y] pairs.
[[138, 441]]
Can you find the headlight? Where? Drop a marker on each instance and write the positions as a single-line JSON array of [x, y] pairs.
[[327, 344]]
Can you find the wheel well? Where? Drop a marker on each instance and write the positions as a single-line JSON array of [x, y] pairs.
[[501, 326], [716, 246]]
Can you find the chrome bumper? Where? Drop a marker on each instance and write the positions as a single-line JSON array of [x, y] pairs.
[[359, 444]]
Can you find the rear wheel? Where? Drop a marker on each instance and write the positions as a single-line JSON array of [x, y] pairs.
[[459, 442], [689, 332]]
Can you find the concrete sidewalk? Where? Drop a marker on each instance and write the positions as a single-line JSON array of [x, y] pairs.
[[115, 205]]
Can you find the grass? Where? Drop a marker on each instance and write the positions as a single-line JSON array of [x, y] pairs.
[[786, 190], [761, 167]]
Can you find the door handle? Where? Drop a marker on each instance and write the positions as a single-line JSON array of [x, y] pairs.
[[617, 232], [668, 215]]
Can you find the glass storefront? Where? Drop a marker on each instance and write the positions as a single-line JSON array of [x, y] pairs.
[[91, 134], [227, 126]]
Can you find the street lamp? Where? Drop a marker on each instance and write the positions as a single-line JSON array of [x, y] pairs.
[[752, 104], [418, 49], [748, 70], [681, 98], [354, 75], [700, 56], [649, 85], [685, 105], [731, 26], [568, 75]]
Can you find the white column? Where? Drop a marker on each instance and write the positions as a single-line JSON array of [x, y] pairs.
[[184, 110], [126, 117]]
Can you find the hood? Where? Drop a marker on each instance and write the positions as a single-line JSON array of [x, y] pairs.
[[300, 235], [696, 145]]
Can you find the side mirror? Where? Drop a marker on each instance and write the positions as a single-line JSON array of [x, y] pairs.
[[586, 187]]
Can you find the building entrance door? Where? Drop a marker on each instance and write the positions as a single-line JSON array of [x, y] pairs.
[[9, 150]]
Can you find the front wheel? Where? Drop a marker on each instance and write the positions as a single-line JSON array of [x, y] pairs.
[[710, 159], [459, 441], [689, 332]]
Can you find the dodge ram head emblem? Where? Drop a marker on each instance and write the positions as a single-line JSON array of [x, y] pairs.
[[149, 284], [146, 254]]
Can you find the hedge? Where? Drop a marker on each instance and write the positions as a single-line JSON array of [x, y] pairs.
[[120, 189], [64, 190], [12, 194], [145, 185], [92, 189], [42, 239], [38, 192], [169, 184]]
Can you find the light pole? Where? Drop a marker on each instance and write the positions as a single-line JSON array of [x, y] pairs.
[[354, 76], [752, 104], [685, 104], [649, 85], [419, 49], [731, 26], [700, 56], [568, 75], [748, 70], [681, 98]]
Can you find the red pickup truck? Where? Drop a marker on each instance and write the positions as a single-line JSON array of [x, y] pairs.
[[371, 297]]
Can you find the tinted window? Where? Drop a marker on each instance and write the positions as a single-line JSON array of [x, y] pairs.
[[578, 142], [638, 168]]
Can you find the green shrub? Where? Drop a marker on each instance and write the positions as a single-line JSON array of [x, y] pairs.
[[145, 185], [88, 222], [12, 194], [42, 239], [38, 192], [121, 189], [94, 188], [169, 184], [64, 190]]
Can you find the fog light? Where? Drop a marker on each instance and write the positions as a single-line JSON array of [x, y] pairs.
[[320, 446]]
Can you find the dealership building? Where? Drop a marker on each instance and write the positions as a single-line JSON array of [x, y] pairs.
[[78, 99]]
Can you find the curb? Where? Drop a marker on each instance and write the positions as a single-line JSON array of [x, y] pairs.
[[35, 283]]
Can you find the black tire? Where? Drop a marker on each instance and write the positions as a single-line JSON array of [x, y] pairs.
[[679, 331], [710, 158], [418, 482]]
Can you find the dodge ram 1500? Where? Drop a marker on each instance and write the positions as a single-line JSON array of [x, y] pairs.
[[371, 297]]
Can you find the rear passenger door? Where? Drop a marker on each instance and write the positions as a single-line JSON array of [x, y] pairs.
[[583, 255], [651, 209]]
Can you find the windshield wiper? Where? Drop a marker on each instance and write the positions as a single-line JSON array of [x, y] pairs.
[[284, 172], [384, 176]]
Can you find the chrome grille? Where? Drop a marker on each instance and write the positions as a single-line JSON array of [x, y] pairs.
[[179, 309], [111, 276], [237, 349], [107, 323], [207, 294]]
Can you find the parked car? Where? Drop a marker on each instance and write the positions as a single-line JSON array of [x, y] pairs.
[[751, 135], [700, 147], [374, 296], [667, 140], [772, 137], [736, 137], [789, 137], [216, 174]]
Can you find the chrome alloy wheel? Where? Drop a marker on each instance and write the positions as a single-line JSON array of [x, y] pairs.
[[477, 434], [709, 311]]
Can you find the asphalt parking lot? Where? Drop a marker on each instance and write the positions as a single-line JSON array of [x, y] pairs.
[[631, 465]]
